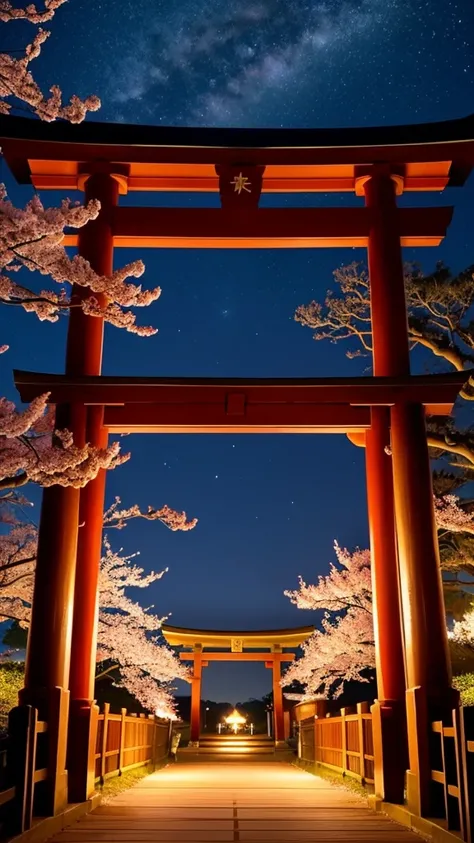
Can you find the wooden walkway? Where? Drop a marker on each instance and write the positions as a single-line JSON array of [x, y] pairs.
[[224, 802]]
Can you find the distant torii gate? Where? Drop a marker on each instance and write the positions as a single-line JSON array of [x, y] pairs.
[[201, 640], [388, 411]]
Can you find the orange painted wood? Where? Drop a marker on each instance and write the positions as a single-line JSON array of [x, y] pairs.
[[84, 357], [384, 568], [271, 658], [387, 289], [196, 683], [213, 228], [448, 142], [291, 178], [427, 654], [300, 395]]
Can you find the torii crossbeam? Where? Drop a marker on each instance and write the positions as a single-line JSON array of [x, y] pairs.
[[239, 405]]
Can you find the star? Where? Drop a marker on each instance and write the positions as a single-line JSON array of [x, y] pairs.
[[241, 183]]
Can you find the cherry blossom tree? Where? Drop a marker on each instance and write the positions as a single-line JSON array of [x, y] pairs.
[[129, 644], [32, 451], [16, 80], [31, 240], [344, 648]]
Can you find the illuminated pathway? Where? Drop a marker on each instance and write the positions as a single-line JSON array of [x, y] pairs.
[[221, 802]]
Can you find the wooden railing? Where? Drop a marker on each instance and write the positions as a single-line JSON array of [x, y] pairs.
[[452, 771], [24, 766], [125, 741], [342, 743], [32, 767]]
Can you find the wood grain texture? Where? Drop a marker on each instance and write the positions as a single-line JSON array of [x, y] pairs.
[[205, 802]]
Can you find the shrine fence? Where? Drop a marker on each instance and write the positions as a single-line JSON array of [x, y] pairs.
[[124, 742], [343, 743]]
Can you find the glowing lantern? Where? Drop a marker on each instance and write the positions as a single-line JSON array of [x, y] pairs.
[[235, 720]]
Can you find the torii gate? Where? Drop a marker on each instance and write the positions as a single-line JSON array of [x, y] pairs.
[[200, 641], [387, 410]]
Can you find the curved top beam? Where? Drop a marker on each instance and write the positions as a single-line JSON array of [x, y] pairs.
[[178, 636], [147, 137], [450, 142]]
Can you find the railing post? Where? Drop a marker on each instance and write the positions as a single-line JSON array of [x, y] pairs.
[[170, 739], [123, 714], [81, 752], [103, 757], [419, 774], [154, 733], [151, 740], [57, 783], [458, 750], [344, 741], [21, 766], [388, 723], [466, 737], [362, 708]]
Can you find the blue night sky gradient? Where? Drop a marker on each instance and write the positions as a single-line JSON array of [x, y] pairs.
[[269, 507]]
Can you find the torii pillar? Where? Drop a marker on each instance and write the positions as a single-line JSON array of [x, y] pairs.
[[278, 714], [85, 358], [196, 685], [390, 354], [63, 591], [428, 670]]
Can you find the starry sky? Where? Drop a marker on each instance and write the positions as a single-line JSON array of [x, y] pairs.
[[269, 507]]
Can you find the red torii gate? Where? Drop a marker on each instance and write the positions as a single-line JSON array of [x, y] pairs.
[[377, 164], [200, 640]]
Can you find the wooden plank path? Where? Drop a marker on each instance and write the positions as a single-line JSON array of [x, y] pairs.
[[225, 802]]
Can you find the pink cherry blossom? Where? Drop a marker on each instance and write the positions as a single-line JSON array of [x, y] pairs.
[[31, 450], [451, 516], [118, 518], [344, 648], [31, 238], [30, 12], [128, 634], [16, 80]]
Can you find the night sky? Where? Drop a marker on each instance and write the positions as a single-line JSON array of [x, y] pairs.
[[269, 507]]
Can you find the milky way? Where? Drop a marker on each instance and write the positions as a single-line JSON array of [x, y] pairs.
[[218, 63], [271, 62]]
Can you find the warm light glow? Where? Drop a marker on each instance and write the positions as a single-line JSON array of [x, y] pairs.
[[235, 720], [165, 714]]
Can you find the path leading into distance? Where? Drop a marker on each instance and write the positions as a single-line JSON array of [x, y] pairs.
[[223, 802]]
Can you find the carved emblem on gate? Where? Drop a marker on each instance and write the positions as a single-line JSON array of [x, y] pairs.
[[236, 645]]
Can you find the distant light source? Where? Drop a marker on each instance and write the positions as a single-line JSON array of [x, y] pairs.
[[235, 720]]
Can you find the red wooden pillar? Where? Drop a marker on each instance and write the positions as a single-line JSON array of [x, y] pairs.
[[414, 513], [49, 642], [196, 697], [429, 692], [278, 716], [390, 357], [49, 638], [389, 722], [85, 358]]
